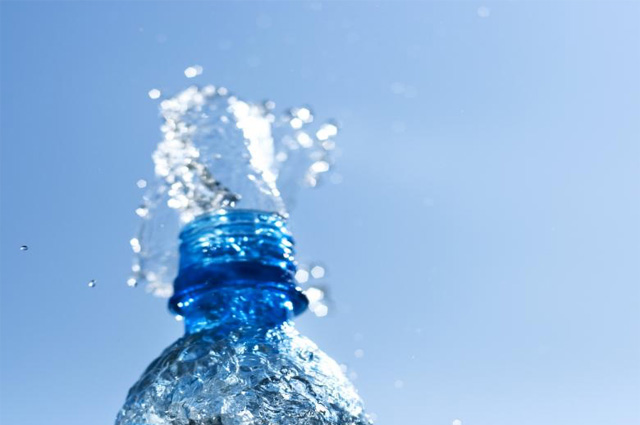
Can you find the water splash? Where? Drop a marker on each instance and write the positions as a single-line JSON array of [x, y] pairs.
[[219, 151]]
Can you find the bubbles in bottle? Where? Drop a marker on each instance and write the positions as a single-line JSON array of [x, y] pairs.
[[92, 283], [220, 151], [24, 248]]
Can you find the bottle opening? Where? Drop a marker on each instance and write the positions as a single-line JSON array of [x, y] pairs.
[[243, 250]]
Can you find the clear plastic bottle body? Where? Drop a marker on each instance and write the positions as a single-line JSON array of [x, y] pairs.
[[241, 361]]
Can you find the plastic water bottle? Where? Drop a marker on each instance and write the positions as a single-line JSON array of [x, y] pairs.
[[241, 361]]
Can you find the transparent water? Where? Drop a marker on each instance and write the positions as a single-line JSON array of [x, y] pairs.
[[228, 171], [254, 376]]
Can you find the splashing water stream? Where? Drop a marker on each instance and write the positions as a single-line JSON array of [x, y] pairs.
[[219, 151]]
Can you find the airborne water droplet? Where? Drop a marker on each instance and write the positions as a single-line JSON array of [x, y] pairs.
[[154, 93], [193, 71], [317, 272], [92, 283], [142, 211], [321, 310], [24, 248], [302, 276]]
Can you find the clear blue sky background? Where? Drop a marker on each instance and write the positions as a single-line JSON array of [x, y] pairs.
[[483, 248]]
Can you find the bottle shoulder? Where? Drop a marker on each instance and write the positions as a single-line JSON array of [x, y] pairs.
[[251, 376]]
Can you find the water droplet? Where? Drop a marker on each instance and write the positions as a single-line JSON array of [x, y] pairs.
[[484, 12], [398, 384], [141, 183], [320, 167], [317, 272], [328, 145], [302, 276], [321, 310], [24, 248], [310, 180], [327, 131], [304, 114], [174, 203], [135, 245], [359, 353], [314, 294], [456, 422], [193, 71], [132, 282], [304, 139], [92, 283], [154, 93], [142, 211]]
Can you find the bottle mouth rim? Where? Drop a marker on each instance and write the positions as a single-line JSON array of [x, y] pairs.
[[223, 216], [236, 248]]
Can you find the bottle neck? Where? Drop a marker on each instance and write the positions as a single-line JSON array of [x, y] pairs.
[[236, 269]]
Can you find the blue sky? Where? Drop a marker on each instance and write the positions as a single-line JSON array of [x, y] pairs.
[[482, 248]]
